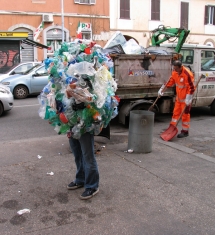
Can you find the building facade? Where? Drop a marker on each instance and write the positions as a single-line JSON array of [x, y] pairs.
[[43, 21], [137, 18]]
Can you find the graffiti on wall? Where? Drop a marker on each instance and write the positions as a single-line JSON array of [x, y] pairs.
[[9, 57]]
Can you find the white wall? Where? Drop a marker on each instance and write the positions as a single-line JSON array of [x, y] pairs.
[[140, 25]]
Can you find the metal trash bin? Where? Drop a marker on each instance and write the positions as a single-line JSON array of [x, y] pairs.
[[141, 125]]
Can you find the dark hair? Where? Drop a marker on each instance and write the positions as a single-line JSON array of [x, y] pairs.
[[177, 63]]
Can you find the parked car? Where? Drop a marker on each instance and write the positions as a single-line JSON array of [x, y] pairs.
[[30, 82], [17, 69], [6, 99]]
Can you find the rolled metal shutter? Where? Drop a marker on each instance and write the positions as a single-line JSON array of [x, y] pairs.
[[27, 51]]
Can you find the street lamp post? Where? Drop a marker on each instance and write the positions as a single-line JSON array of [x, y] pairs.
[[62, 19]]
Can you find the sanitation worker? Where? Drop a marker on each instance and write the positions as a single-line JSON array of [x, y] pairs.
[[183, 79]]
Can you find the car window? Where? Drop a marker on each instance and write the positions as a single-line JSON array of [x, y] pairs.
[[41, 71], [23, 68], [207, 60], [187, 56], [31, 69]]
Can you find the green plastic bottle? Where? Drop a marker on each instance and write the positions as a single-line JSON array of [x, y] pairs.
[[64, 128]]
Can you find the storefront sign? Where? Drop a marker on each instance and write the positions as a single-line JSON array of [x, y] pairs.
[[13, 34], [84, 27]]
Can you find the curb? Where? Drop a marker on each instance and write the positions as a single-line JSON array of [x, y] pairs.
[[185, 150]]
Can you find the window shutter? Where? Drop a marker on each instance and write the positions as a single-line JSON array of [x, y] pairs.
[[76, 1], [155, 9], [125, 9], [158, 10], [152, 9], [213, 15], [92, 1], [206, 14], [184, 14], [121, 9]]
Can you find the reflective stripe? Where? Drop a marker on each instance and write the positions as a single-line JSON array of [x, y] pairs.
[[174, 120], [185, 123], [180, 86], [180, 100], [185, 128]]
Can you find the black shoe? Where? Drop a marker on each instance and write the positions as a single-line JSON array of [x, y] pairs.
[[73, 185], [183, 134], [88, 193]]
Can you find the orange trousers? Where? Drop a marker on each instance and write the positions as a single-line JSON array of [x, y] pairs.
[[185, 117]]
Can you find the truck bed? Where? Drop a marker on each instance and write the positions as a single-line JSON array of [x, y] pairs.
[[140, 76]]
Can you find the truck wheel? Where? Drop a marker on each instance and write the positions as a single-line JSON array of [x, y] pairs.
[[213, 108], [1, 109], [20, 92]]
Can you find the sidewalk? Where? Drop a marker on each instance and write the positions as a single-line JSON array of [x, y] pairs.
[[169, 191]]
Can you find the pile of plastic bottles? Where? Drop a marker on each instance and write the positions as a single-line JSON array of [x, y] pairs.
[[80, 95]]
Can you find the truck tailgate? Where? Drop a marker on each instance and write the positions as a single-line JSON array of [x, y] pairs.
[[139, 76]]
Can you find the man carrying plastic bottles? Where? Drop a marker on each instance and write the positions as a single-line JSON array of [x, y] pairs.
[[183, 79], [87, 174]]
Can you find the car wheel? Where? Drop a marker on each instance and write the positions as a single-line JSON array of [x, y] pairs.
[[20, 92], [1, 108], [213, 108]]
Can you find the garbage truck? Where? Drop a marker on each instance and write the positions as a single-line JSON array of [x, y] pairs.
[[139, 77]]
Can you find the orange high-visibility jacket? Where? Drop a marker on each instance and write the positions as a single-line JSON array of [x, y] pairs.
[[184, 83]]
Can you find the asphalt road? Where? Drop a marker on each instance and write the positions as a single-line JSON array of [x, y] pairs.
[[23, 122]]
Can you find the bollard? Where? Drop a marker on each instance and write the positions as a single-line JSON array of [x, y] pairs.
[[141, 124]]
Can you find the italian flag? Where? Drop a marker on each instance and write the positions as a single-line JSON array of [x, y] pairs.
[[79, 34], [38, 30]]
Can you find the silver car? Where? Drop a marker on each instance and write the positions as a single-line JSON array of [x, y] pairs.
[[17, 69], [6, 99], [30, 82]]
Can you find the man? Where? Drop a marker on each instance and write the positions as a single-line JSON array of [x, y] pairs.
[[183, 79], [87, 174], [82, 146]]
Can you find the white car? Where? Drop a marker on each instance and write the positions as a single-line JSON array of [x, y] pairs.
[[6, 99], [17, 69]]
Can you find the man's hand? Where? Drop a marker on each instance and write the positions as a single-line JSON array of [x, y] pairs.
[[188, 99], [187, 109], [160, 92]]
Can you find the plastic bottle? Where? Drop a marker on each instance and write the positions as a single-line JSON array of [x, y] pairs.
[[63, 118], [97, 128], [64, 128]]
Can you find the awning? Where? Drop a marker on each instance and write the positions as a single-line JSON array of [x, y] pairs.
[[34, 44]]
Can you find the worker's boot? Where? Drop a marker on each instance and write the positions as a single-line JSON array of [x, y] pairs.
[[183, 134]]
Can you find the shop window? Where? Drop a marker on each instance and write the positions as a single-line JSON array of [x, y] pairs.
[[155, 9], [210, 15], [86, 35], [53, 45], [124, 9], [184, 14]]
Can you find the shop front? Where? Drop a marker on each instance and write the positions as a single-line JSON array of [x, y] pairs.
[[11, 47]]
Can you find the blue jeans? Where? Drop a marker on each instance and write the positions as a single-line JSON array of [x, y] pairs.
[[87, 169]]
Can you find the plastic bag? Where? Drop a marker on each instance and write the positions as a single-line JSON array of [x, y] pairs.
[[131, 47], [116, 39]]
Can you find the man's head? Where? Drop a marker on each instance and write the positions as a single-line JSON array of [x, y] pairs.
[[177, 66]]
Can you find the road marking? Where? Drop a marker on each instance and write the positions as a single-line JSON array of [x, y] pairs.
[[25, 105]]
